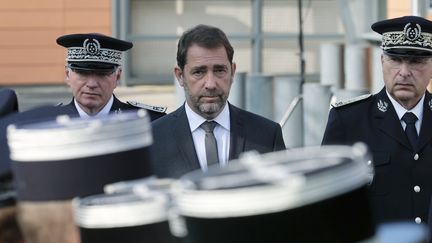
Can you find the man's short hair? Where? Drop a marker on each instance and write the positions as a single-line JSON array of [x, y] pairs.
[[204, 36]]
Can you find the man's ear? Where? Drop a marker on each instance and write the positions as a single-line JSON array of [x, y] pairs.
[[67, 73], [179, 75], [233, 69], [119, 72]]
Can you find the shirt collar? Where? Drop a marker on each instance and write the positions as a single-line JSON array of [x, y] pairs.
[[195, 120], [105, 110], [400, 110]]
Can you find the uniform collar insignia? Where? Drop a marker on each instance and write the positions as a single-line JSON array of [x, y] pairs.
[[382, 106], [118, 111], [430, 104]]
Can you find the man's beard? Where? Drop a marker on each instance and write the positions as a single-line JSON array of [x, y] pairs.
[[211, 108], [207, 110]]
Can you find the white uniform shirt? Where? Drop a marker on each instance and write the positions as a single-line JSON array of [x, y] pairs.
[[417, 110], [105, 110]]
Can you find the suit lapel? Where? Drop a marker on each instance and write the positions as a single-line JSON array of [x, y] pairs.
[[425, 130], [237, 133], [387, 119], [184, 139]]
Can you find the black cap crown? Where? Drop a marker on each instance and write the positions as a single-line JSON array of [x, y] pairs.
[[93, 50], [405, 36]]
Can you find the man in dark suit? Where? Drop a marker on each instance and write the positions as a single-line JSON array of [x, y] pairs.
[[93, 70], [205, 70], [395, 123]]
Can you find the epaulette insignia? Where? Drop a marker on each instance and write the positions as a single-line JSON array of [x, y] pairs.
[[160, 109], [352, 100]]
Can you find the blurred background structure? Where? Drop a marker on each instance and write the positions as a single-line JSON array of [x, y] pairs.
[[341, 55]]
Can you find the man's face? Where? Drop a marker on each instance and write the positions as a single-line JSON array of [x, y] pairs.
[[92, 90], [206, 79], [406, 78]]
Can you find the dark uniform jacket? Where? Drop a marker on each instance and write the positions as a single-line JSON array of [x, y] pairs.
[[174, 152], [402, 185], [8, 102], [154, 111]]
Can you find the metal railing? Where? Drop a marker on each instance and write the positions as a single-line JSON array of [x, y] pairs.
[[290, 110]]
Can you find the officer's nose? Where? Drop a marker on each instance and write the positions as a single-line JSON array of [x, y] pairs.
[[405, 70], [92, 81]]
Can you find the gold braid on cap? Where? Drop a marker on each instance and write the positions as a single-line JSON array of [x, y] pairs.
[[92, 52], [410, 38]]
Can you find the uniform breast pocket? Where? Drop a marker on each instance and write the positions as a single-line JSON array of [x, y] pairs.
[[381, 169]]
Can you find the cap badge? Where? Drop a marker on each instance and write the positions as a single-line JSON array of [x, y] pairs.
[[412, 32], [92, 46], [382, 106]]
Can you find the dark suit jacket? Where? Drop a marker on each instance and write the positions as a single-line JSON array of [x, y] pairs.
[[8, 102], [174, 152], [398, 167], [118, 106]]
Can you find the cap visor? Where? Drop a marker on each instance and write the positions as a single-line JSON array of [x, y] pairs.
[[92, 66], [408, 53]]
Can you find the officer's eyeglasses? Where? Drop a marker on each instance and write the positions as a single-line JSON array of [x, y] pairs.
[[410, 61]]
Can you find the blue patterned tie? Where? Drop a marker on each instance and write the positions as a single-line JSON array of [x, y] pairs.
[[409, 118]]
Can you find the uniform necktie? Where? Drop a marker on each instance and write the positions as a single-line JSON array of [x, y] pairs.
[[409, 118], [210, 142]]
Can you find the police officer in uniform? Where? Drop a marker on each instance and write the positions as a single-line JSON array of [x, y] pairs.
[[395, 123], [93, 70]]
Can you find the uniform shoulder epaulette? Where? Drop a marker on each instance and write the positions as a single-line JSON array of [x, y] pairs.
[[160, 109], [59, 104], [351, 101]]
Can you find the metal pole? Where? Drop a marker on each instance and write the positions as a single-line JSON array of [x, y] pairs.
[[316, 105], [259, 94], [257, 43], [301, 54], [418, 8], [123, 34]]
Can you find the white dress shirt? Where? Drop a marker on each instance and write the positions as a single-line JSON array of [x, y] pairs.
[[221, 132], [105, 110], [417, 110]]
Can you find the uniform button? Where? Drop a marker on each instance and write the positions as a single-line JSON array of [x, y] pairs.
[[418, 220], [417, 189], [416, 157], [369, 162]]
